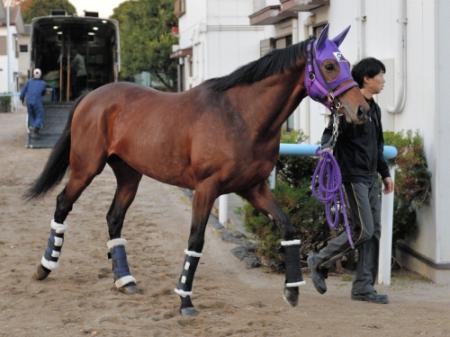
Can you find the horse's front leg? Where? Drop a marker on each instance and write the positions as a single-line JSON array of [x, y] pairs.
[[262, 199], [202, 202]]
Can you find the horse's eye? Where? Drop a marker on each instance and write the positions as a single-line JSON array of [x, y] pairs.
[[329, 67]]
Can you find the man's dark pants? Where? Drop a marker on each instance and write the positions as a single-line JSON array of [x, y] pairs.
[[364, 201]]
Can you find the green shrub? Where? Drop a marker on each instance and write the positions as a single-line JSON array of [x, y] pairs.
[[5, 103], [293, 194], [412, 181]]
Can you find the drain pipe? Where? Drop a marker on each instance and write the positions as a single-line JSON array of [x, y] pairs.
[[401, 99], [362, 18]]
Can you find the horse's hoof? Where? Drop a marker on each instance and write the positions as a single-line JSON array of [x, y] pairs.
[[189, 311], [129, 289], [290, 295], [41, 273]]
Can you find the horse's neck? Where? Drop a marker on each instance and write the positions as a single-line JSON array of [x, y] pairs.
[[273, 100]]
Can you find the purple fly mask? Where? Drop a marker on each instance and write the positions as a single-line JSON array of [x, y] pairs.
[[317, 87]]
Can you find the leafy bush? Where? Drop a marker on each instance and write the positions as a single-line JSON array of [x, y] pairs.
[[293, 194], [412, 181], [5, 103]]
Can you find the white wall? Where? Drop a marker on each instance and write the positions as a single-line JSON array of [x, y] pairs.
[[427, 104], [221, 37], [14, 65], [441, 178]]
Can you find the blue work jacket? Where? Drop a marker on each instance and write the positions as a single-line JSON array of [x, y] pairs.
[[33, 91]]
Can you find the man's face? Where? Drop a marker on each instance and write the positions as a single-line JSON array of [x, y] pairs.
[[374, 84]]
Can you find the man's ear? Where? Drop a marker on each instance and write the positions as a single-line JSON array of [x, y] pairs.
[[365, 80]]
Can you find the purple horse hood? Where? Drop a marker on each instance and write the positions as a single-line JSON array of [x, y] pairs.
[[319, 51]]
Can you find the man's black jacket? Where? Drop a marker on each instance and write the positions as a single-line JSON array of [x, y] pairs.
[[359, 148]]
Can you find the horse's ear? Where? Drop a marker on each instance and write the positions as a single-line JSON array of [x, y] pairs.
[[322, 38], [338, 39]]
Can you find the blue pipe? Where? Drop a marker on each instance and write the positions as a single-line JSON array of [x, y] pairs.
[[310, 150]]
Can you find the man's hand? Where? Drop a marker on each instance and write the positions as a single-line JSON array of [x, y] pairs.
[[388, 185]]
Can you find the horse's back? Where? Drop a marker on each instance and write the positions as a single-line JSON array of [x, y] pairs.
[[148, 129]]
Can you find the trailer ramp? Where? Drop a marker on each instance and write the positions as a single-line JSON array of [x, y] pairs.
[[55, 119]]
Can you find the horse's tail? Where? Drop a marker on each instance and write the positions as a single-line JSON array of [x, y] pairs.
[[57, 162]]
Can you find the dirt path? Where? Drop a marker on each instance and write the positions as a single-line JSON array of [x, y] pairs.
[[78, 298]]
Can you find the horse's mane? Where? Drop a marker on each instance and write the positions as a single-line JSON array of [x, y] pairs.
[[272, 63]]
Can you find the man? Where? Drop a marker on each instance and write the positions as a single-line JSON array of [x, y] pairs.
[[79, 69], [32, 92], [359, 152]]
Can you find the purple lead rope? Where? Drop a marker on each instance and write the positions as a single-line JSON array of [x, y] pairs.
[[327, 187]]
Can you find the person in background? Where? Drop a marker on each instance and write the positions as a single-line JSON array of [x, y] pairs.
[[32, 94], [359, 152], [80, 74]]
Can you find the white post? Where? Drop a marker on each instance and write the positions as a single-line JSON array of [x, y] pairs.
[[223, 209], [8, 44], [273, 178], [387, 217]]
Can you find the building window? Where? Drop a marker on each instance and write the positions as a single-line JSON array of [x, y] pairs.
[[317, 29], [283, 42], [266, 46], [2, 45], [180, 8]]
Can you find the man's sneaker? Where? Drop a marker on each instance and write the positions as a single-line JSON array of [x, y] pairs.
[[317, 276], [373, 297]]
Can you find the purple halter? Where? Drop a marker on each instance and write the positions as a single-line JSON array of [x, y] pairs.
[[316, 86], [326, 183]]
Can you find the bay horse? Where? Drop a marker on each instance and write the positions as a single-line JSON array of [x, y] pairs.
[[219, 137]]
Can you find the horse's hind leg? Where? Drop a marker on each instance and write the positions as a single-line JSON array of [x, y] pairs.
[[262, 199], [202, 202], [127, 184], [78, 181]]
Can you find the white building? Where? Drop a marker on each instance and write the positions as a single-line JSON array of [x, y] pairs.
[[9, 45], [410, 37], [215, 38]]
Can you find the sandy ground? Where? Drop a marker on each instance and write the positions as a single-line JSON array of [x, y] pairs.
[[78, 299]]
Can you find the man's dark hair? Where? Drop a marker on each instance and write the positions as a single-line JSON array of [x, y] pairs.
[[369, 67]]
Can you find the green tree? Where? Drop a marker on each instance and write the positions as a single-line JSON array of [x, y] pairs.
[[36, 8], [146, 39]]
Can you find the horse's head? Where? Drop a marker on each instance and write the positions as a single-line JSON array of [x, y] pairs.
[[328, 78]]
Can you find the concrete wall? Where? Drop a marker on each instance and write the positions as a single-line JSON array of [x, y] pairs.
[[14, 63], [427, 98], [220, 36]]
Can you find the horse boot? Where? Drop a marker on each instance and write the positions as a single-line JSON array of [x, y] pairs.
[[184, 285], [294, 277], [123, 280], [55, 242]]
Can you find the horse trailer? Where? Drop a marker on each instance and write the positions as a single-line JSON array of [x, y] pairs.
[[60, 46]]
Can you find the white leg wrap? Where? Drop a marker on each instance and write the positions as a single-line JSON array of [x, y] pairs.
[[50, 265], [192, 253], [295, 284], [58, 242], [123, 281], [290, 243], [116, 242], [58, 227], [182, 293]]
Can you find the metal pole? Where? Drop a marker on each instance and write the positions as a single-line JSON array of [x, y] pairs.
[[223, 209], [8, 44], [273, 178], [387, 219]]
